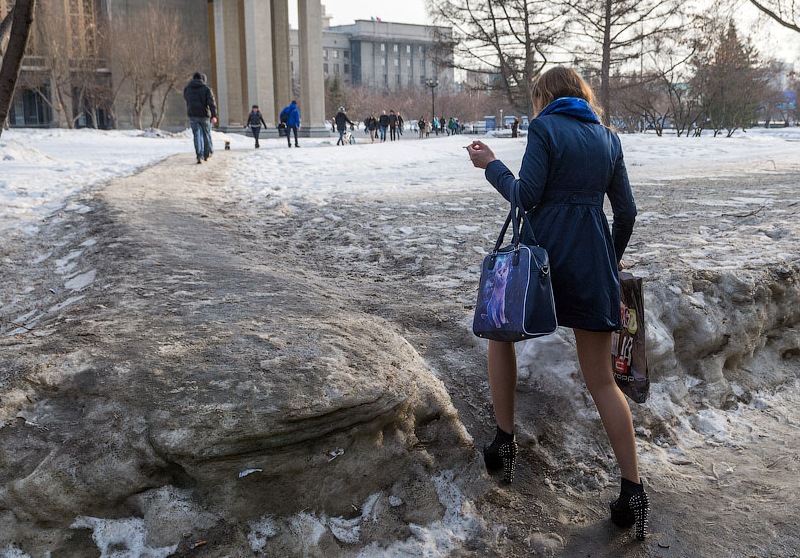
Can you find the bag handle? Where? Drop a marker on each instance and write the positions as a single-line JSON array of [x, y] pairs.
[[524, 221], [518, 218]]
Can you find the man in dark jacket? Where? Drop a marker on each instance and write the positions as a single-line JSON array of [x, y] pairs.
[[384, 124], [341, 124], [200, 107], [392, 125], [292, 116]]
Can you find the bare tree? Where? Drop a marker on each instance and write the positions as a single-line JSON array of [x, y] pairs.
[[70, 83], [11, 62], [644, 101], [617, 32], [154, 55], [509, 41]]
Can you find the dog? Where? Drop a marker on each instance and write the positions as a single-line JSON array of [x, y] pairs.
[[227, 145]]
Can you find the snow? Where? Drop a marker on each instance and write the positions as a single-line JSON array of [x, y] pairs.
[[41, 170]]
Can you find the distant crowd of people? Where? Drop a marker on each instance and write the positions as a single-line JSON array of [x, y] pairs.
[[201, 109]]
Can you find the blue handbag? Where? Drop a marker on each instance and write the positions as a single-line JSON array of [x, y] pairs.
[[515, 295]]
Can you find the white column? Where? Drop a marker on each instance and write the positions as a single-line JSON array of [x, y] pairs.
[[258, 54], [281, 56], [312, 81], [229, 64]]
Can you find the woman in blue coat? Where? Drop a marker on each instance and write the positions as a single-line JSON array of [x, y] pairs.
[[570, 164]]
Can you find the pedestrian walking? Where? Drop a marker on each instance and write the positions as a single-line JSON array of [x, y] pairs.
[[371, 124], [384, 124], [201, 108], [342, 121], [292, 116], [255, 120], [392, 125], [570, 164]]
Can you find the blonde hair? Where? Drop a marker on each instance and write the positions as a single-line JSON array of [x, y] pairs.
[[562, 82]]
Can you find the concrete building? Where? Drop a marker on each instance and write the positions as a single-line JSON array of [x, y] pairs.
[[248, 60], [381, 55]]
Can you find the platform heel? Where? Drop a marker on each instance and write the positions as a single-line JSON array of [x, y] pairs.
[[632, 508], [501, 457]]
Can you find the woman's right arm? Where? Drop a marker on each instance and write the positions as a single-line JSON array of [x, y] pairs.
[[532, 173]]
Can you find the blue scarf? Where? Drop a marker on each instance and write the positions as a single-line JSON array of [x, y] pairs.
[[571, 106]]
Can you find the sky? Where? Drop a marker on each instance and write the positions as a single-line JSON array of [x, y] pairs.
[[347, 11]]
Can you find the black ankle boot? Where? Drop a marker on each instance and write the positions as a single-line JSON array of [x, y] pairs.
[[631, 508], [501, 454]]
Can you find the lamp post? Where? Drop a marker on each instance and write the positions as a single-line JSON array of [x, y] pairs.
[[433, 83]]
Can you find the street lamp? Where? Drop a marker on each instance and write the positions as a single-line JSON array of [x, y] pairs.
[[433, 83]]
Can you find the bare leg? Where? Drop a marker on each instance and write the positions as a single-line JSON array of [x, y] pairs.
[[594, 350], [503, 382]]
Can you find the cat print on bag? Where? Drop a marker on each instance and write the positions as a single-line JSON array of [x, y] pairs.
[[496, 301]]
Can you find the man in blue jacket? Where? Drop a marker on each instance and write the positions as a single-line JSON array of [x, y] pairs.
[[292, 116], [202, 111]]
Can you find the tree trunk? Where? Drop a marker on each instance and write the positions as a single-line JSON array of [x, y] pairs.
[[605, 66], [12, 61], [170, 88]]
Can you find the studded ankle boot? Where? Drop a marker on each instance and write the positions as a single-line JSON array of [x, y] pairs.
[[631, 508], [501, 454]]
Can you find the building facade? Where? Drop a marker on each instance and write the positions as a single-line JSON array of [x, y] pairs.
[[246, 58], [249, 52], [382, 56]]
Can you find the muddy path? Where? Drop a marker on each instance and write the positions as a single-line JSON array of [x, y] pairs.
[[176, 252]]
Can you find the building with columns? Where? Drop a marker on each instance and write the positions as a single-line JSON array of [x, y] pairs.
[[250, 61], [247, 62], [381, 55]]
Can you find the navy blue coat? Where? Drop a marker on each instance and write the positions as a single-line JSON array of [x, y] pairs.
[[570, 164]]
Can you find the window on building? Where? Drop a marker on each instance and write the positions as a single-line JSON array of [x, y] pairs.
[[421, 49], [397, 48], [396, 63], [347, 68], [28, 108], [325, 67], [347, 55], [336, 69], [408, 63], [408, 49], [325, 53], [383, 62], [383, 47], [336, 54]]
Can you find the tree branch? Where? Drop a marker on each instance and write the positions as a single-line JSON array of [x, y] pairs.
[[776, 17]]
